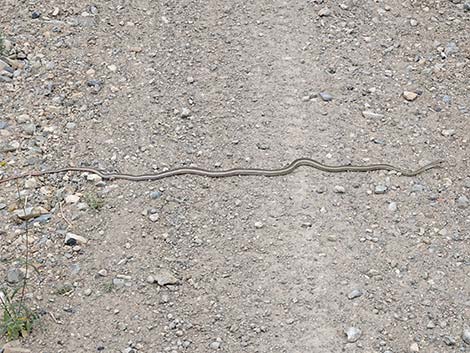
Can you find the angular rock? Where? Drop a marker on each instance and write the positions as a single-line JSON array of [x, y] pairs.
[[352, 334], [164, 277]]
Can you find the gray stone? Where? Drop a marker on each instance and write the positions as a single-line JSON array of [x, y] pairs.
[[259, 225], [392, 206], [466, 6], [448, 132], [119, 282], [352, 334], [30, 212], [462, 202], [154, 217], [164, 277], [451, 48], [326, 96], [355, 293], [3, 125], [155, 195], [466, 335], [449, 340], [15, 275], [185, 113], [324, 12]]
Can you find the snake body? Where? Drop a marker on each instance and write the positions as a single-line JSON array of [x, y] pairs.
[[301, 162]]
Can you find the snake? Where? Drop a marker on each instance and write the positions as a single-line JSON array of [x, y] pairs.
[[288, 169]]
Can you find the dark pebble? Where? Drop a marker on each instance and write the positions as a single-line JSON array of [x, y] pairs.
[[35, 14]]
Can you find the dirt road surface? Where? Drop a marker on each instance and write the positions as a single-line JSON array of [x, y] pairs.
[[308, 262]]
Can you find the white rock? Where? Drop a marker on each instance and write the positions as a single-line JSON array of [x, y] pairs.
[[414, 347], [371, 115], [410, 96], [73, 239], [324, 12], [259, 225], [93, 177], [353, 334], [72, 198]]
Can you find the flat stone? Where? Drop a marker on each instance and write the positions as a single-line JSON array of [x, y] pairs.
[[380, 189], [15, 275], [72, 199], [324, 12], [355, 293], [414, 347], [448, 132], [410, 96], [371, 115], [164, 277], [103, 272], [74, 239], [352, 334], [31, 212], [326, 96]]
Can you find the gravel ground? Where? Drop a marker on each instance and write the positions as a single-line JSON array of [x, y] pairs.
[[308, 262]]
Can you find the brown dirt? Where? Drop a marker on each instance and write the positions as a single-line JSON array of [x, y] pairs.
[[105, 85]]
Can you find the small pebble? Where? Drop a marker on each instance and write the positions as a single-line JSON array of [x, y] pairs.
[[448, 132], [215, 345], [35, 14], [164, 277], [462, 202], [392, 206], [74, 239], [87, 292], [103, 272], [259, 225], [339, 189], [414, 347], [410, 96], [380, 189], [15, 275], [154, 217], [326, 96], [450, 341], [466, 335], [324, 12], [155, 195], [355, 293], [185, 113], [72, 199], [466, 6], [352, 334], [371, 115]]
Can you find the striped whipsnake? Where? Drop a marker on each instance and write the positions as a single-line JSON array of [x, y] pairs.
[[307, 162]]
